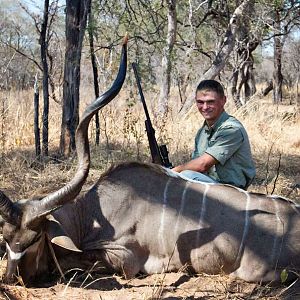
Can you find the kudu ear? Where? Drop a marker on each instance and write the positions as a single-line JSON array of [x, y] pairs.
[[58, 236], [9, 212]]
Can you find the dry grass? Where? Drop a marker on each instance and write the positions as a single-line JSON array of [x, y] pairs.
[[273, 131], [153, 287]]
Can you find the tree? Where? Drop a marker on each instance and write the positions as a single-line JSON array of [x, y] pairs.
[[224, 49], [95, 69], [44, 50], [286, 15], [44, 28], [16, 43], [283, 16], [242, 75], [36, 118], [166, 63], [24, 45], [278, 47], [291, 67], [76, 19]]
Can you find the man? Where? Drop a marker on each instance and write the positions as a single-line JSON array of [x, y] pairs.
[[222, 150]]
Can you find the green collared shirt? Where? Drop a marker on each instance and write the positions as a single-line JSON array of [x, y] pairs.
[[227, 141]]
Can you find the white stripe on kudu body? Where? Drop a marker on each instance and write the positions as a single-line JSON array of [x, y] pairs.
[[203, 206], [246, 227], [182, 206], [162, 218], [278, 233]]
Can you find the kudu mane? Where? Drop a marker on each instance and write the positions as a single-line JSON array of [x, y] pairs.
[[131, 165]]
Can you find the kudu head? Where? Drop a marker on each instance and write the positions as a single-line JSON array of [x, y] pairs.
[[24, 221]]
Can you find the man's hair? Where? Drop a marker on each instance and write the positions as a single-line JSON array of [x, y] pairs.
[[211, 85]]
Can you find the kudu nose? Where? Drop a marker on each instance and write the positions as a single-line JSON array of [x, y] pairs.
[[12, 280], [11, 275]]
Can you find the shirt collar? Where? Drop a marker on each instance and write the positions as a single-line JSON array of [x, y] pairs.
[[223, 117]]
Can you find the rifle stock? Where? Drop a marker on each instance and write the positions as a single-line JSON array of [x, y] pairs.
[[159, 154]]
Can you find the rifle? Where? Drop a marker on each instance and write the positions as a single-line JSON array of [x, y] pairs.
[[159, 154]]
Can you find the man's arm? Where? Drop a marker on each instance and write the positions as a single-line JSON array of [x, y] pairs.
[[200, 164]]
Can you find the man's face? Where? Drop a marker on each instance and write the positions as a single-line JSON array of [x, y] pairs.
[[210, 105]]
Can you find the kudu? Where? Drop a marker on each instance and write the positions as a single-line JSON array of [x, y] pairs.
[[144, 218]]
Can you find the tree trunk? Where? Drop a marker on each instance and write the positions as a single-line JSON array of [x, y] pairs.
[[277, 75], [243, 83], [250, 85], [36, 119], [44, 47], [95, 71], [268, 88], [243, 77], [182, 82], [297, 92], [76, 18], [224, 50], [234, 90], [166, 63]]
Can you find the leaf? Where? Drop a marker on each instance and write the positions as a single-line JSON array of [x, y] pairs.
[[284, 275]]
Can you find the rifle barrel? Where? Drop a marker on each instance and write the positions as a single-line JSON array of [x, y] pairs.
[[138, 81], [159, 154]]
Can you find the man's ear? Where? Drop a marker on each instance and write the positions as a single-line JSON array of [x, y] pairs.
[[57, 235]]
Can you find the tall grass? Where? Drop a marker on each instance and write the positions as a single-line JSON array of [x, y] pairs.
[[273, 132]]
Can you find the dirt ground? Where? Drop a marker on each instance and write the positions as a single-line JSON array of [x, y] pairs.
[[172, 286], [160, 286]]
